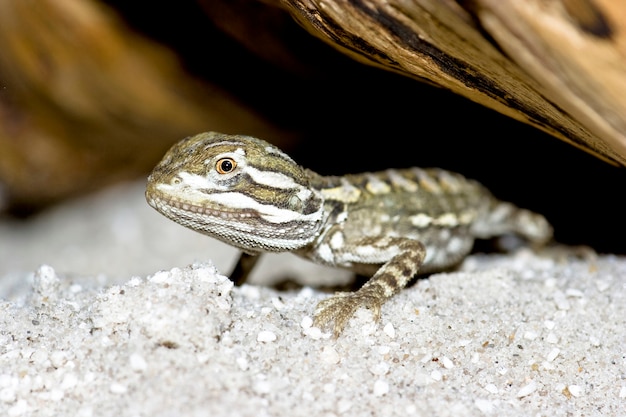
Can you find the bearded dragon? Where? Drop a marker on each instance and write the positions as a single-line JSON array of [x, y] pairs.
[[390, 225]]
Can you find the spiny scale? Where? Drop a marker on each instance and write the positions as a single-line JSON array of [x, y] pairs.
[[390, 224]]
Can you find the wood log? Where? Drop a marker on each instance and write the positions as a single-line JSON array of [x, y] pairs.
[[557, 65]]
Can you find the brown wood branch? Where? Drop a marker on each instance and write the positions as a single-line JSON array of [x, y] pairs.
[[559, 66], [576, 51]]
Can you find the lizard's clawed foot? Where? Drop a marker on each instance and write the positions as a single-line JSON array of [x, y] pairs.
[[342, 306]]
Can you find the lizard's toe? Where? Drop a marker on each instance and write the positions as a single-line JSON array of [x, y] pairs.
[[342, 306]]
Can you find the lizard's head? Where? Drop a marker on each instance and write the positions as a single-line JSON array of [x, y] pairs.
[[238, 189]]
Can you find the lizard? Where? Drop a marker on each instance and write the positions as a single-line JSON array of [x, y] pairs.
[[389, 225]]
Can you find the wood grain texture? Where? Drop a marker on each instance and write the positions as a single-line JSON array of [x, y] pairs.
[[559, 66], [576, 51]]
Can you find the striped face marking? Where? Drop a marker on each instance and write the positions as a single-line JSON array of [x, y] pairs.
[[237, 190]]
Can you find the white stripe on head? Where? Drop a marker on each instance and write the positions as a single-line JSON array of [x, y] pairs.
[[275, 151], [272, 179]]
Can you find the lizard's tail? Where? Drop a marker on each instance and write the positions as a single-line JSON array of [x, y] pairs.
[[506, 218]]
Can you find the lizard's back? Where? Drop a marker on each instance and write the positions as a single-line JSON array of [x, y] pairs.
[[443, 210]]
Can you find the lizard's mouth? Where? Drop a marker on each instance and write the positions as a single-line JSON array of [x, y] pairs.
[[167, 207]]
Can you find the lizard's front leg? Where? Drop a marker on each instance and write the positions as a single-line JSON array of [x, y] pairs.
[[401, 258], [244, 266]]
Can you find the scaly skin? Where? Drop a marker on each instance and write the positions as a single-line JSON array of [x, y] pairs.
[[390, 224]]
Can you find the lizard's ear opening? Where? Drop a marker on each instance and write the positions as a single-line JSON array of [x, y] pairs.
[[295, 203]]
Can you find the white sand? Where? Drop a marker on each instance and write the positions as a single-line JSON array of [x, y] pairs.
[[97, 331]]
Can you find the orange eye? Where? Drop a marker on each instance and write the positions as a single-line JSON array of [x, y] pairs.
[[225, 165]]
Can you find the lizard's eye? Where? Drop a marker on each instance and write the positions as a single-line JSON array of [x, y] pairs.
[[225, 165]]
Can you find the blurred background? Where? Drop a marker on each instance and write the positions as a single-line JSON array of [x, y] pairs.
[[94, 92]]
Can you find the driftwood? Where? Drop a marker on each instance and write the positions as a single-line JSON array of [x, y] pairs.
[[557, 65], [85, 100]]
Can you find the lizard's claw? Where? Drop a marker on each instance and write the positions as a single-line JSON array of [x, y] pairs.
[[342, 306]]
